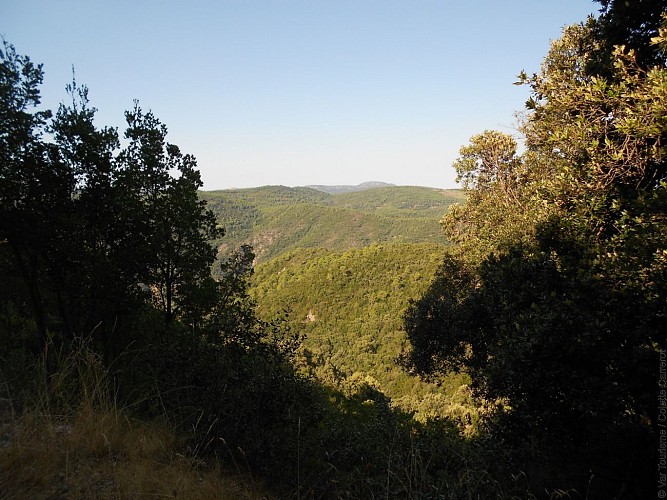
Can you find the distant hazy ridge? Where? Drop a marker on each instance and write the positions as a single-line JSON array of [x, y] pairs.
[[351, 189]]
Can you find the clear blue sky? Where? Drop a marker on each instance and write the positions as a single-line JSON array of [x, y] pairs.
[[298, 92]]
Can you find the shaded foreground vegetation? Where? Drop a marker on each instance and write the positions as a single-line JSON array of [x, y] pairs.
[[112, 324], [554, 301], [77, 438], [551, 305]]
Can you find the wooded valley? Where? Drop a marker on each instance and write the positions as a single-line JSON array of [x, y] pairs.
[[506, 340]]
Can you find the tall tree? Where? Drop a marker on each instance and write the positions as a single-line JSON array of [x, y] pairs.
[[489, 160], [85, 225], [35, 185], [160, 186], [85, 269], [496, 180], [560, 320]]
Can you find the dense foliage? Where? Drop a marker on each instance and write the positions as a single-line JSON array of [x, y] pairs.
[[537, 317], [349, 306], [555, 301], [113, 245], [91, 233]]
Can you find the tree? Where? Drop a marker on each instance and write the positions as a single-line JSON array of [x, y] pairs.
[[633, 24], [558, 318], [89, 276], [496, 179], [85, 225], [233, 319], [35, 186], [167, 226], [489, 160], [608, 136]]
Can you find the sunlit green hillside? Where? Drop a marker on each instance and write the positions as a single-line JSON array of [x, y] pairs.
[[350, 306], [402, 201], [345, 267], [275, 219]]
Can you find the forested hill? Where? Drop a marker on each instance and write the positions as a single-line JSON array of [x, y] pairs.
[[345, 266], [275, 219], [350, 307]]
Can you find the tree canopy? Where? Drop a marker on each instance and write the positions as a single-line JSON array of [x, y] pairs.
[[91, 232], [555, 301]]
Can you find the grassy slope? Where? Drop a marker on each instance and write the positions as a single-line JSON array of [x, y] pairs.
[[275, 219], [104, 454], [70, 438]]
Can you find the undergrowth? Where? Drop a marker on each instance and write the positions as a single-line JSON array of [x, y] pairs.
[[73, 440]]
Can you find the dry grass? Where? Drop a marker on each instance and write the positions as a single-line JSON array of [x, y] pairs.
[[74, 442], [103, 455]]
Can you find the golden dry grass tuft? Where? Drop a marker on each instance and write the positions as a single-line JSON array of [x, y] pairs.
[[104, 455], [73, 442]]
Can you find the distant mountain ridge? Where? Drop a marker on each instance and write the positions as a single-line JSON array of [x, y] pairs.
[[349, 188], [277, 219]]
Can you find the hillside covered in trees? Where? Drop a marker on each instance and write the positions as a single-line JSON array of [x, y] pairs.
[[350, 305], [157, 340], [276, 219]]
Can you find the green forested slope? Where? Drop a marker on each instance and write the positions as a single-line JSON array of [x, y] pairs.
[[275, 219], [402, 201], [345, 267], [350, 306]]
